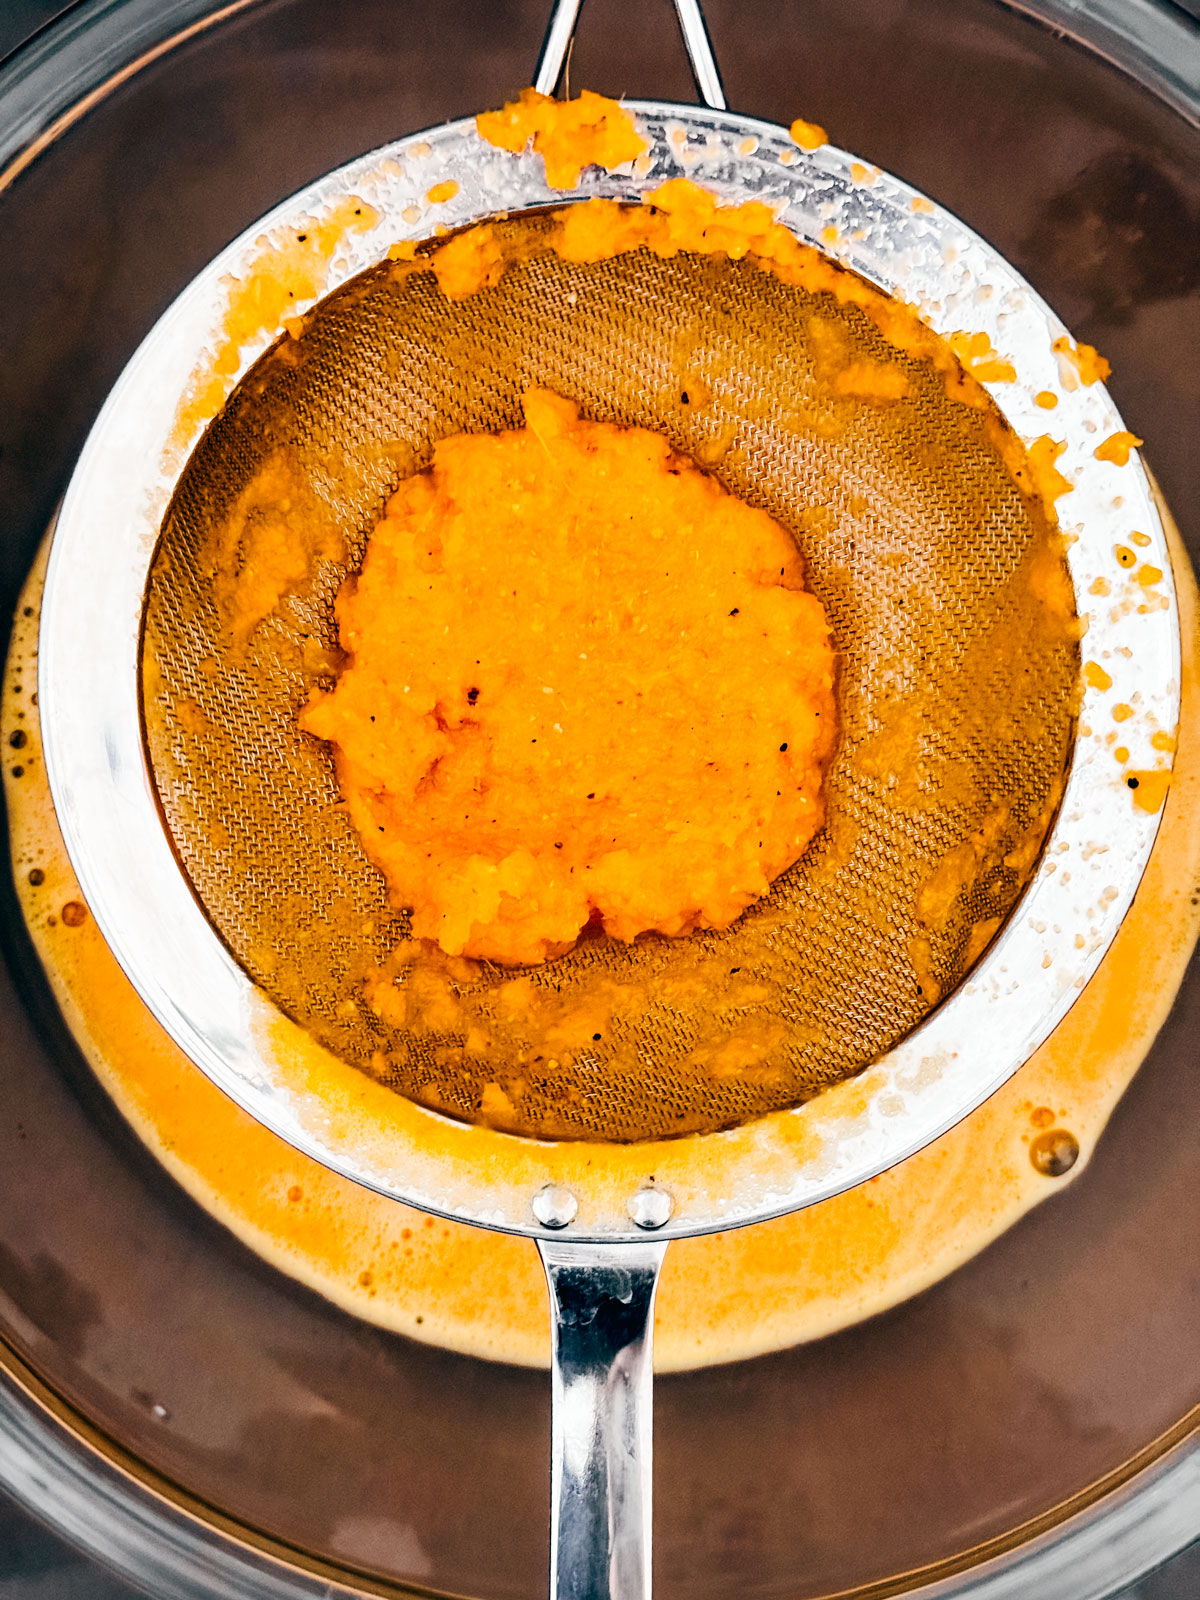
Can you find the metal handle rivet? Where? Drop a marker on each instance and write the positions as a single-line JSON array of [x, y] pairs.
[[651, 1208], [554, 1206]]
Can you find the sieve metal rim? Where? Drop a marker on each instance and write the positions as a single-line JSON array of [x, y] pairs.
[[108, 810]]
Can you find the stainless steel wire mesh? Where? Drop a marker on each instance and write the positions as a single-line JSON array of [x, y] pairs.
[[957, 680]]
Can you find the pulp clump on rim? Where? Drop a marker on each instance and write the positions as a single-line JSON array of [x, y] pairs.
[[808, 135], [585, 685], [287, 270], [568, 134]]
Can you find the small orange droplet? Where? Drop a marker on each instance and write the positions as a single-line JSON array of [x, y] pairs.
[[1047, 399], [808, 135], [442, 192], [1116, 447], [1095, 675], [1084, 358], [1149, 789]]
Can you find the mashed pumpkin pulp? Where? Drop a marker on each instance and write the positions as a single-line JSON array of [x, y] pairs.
[[584, 684]]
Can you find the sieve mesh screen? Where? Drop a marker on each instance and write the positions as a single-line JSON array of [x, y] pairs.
[[957, 682]]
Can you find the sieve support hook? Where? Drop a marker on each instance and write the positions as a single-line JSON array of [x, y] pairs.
[[561, 30], [602, 1311]]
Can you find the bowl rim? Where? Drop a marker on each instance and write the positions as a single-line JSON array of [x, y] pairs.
[[148, 1530]]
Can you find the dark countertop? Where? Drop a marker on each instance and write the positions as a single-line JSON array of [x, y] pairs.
[[34, 1563]]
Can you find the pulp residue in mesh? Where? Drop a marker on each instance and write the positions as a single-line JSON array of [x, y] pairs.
[[586, 688]]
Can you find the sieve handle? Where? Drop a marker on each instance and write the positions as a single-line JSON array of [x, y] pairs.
[[602, 1311], [561, 31]]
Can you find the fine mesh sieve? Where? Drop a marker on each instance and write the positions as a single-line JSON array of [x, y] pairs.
[[956, 707], [957, 678]]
